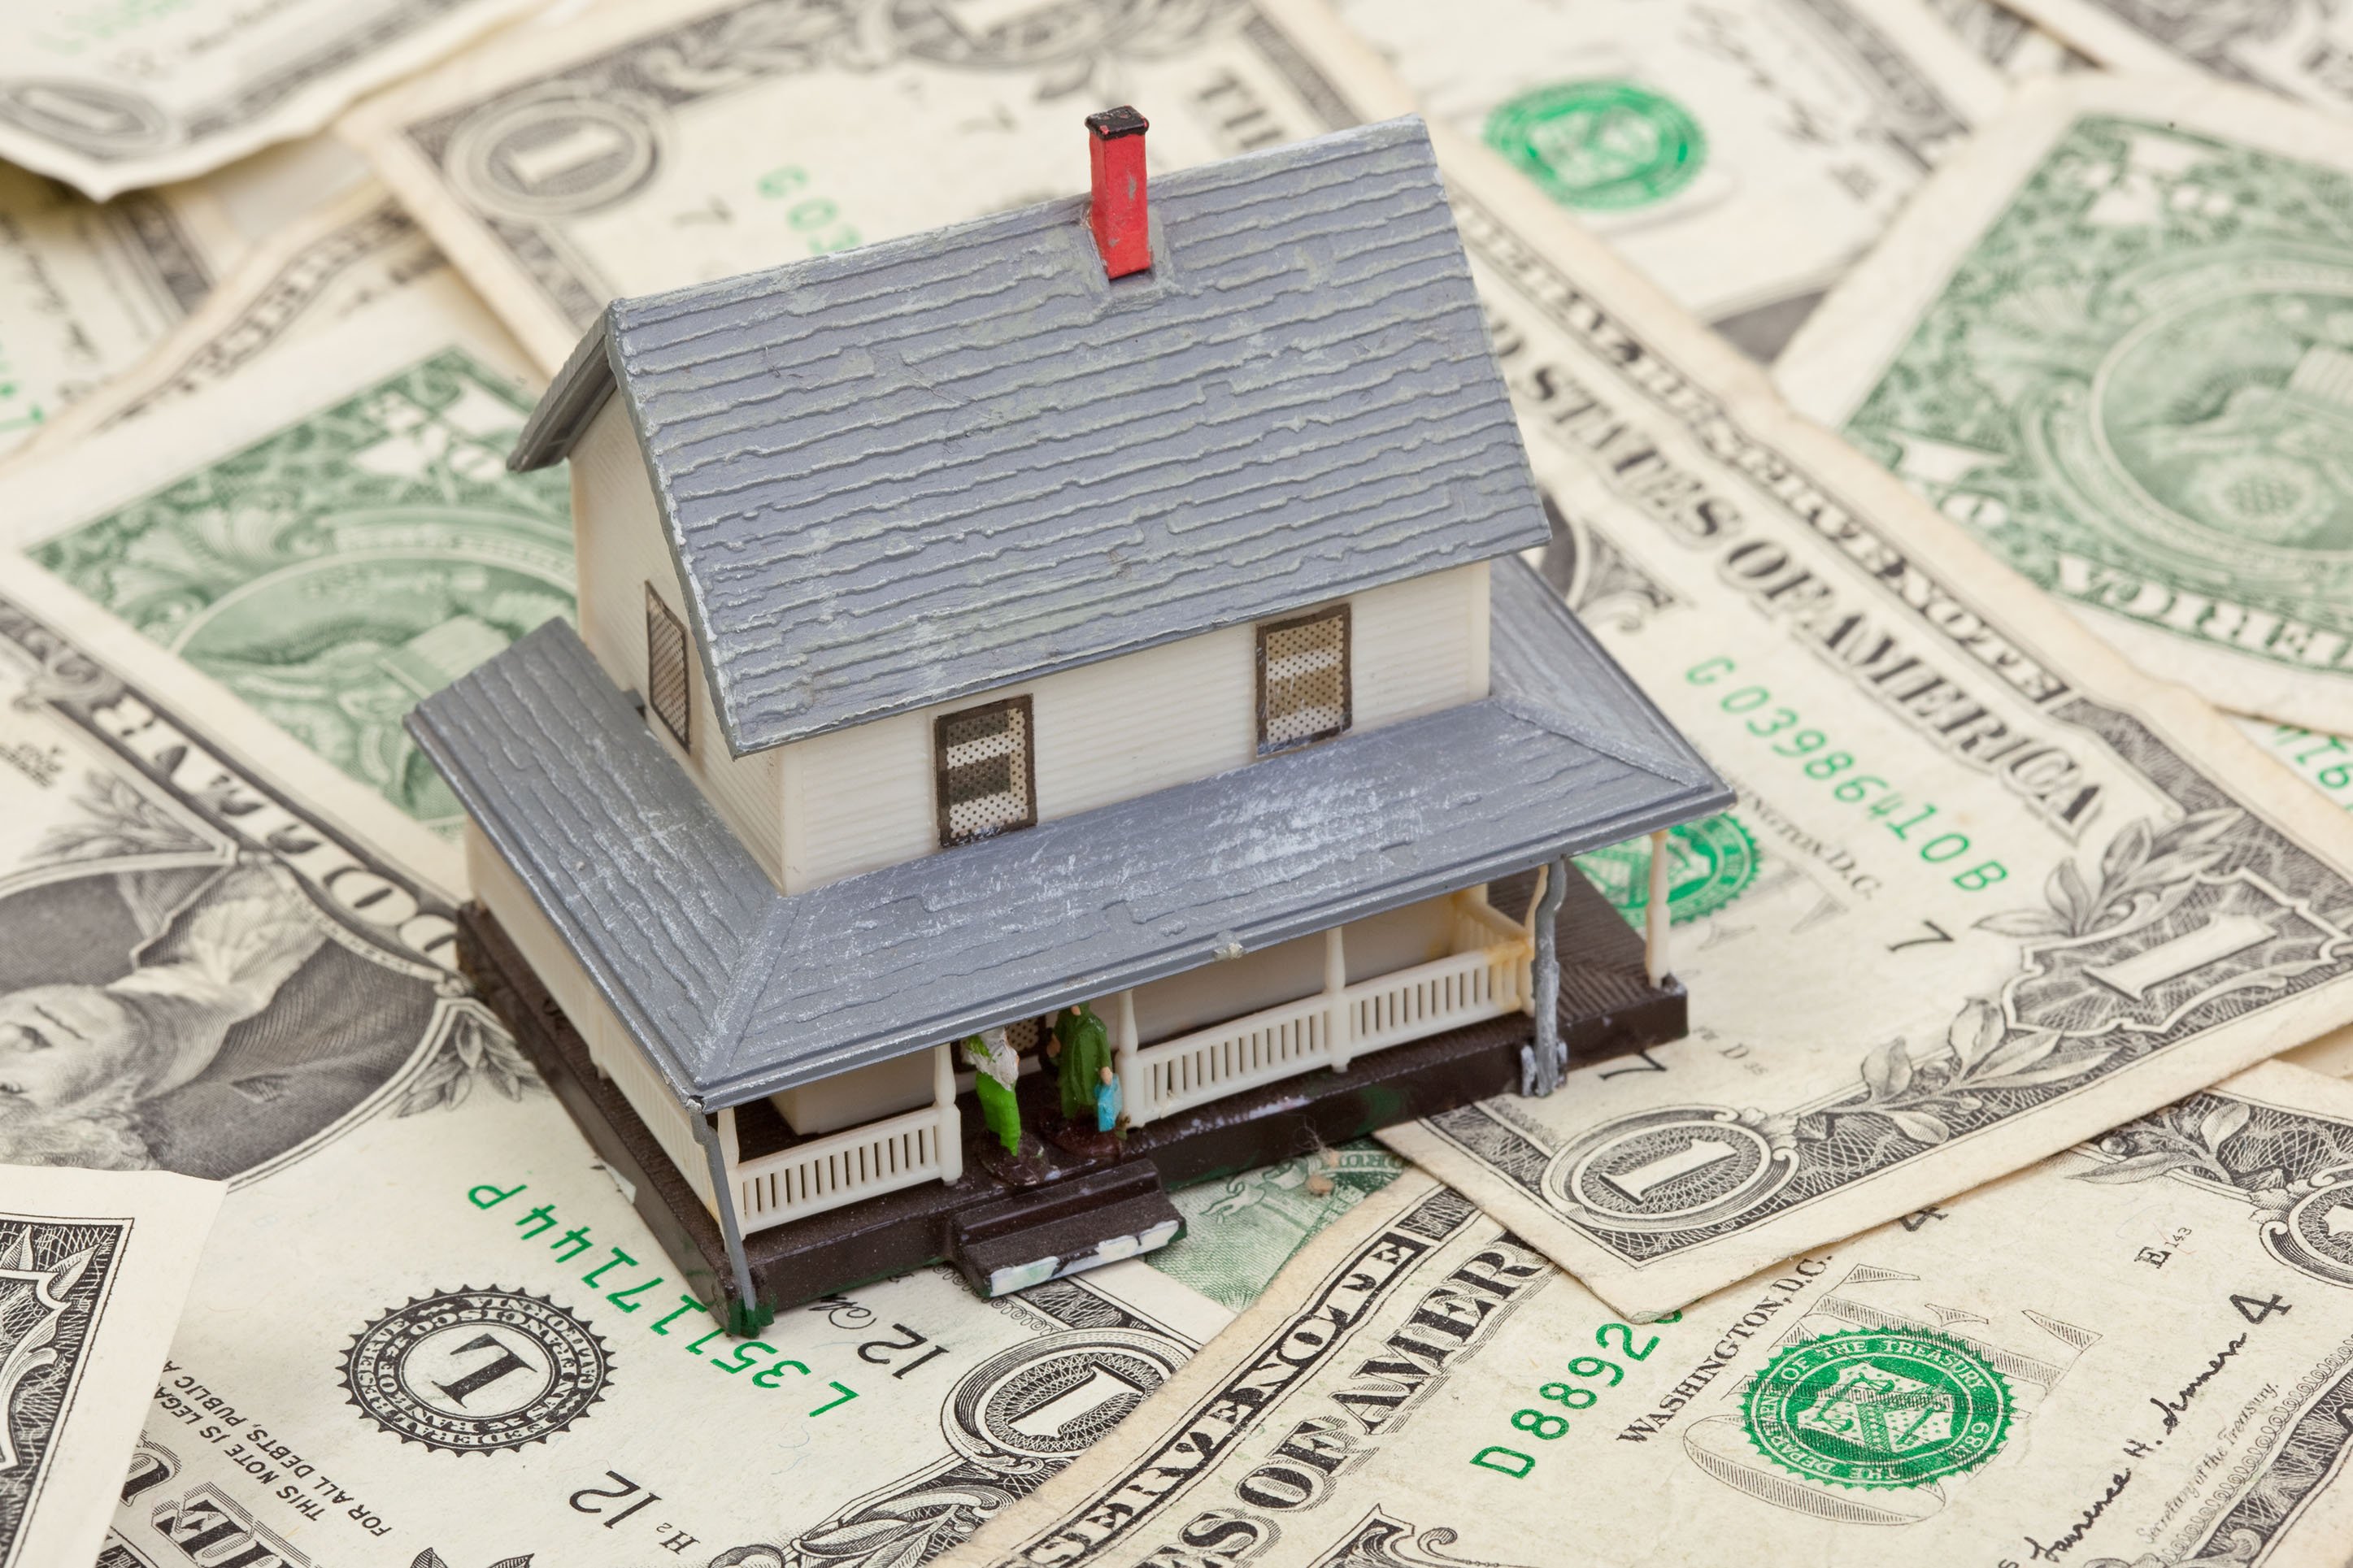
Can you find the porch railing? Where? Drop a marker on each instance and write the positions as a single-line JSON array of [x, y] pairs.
[[1485, 977], [825, 1173]]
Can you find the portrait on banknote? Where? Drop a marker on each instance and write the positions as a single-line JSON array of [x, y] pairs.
[[196, 980], [214, 1021]]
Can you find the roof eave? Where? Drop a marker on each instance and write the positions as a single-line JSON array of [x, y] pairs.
[[1688, 804], [572, 401]]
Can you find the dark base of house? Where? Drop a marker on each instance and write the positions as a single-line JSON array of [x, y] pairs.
[[1088, 1207]]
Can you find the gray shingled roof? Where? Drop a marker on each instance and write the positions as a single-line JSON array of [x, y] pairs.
[[924, 468], [739, 991]]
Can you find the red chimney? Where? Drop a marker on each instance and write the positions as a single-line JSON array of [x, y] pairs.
[[1119, 216]]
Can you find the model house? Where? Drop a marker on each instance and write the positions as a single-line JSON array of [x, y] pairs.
[[1055, 713]]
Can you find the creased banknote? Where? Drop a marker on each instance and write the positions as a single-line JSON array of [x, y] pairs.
[[2322, 761], [112, 96], [2136, 1354], [2303, 48], [94, 1265], [483, 1356], [2113, 341], [1956, 805], [1740, 154], [2331, 1054], [2006, 40], [358, 250], [1744, 152], [340, 536], [86, 289]]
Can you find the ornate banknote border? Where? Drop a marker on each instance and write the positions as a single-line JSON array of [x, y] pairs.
[[55, 1278]]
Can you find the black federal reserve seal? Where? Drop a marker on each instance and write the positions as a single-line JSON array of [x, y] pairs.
[[472, 1371]]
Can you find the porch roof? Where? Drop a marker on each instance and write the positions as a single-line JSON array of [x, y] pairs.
[[738, 991]]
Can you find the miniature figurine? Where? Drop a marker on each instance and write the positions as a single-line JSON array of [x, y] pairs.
[[1081, 1050], [1017, 1160], [1056, 712]]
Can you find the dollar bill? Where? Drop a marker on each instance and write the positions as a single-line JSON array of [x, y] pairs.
[[612, 160], [528, 1325], [93, 1268], [1241, 1229], [1740, 154], [429, 1326], [113, 97], [358, 250], [2105, 342], [86, 289], [2005, 40], [2304, 51], [1947, 787], [1744, 152], [339, 537], [2135, 1353]]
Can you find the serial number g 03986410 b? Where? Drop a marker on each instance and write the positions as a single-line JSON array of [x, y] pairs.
[[1787, 736]]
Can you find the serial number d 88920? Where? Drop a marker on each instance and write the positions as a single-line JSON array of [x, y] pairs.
[[1811, 752]]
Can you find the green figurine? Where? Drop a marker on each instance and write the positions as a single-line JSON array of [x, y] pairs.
[[995, 1068], [1082, 1051]]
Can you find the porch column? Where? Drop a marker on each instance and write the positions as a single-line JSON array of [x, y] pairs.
[[1655, 913], [719, 1149], [1339, 1030], [1131, 1075], [1544, 1060], [951, 1125]]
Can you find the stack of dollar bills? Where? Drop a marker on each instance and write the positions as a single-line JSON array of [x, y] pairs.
[[1946, 411]]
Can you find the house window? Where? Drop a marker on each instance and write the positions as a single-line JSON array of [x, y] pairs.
[[988, 773], [666, 667], [1302, 680]]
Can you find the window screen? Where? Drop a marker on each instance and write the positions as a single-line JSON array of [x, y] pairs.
[[1302, 680], [988, 779], [666, 667]]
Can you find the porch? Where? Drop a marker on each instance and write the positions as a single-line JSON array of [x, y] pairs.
[[1272, 1109], [1176, 1044]]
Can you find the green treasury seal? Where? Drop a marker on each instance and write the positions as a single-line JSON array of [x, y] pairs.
[[1601, 147], [1878, 1407], [1710, 863]]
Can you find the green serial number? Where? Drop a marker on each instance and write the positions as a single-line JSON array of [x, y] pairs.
[[814, 217], [1788, 736], [1546, 1426]]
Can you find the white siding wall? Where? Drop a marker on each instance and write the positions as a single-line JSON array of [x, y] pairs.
[[618, 539], [863, 798], [858, 799], [612, 1048]]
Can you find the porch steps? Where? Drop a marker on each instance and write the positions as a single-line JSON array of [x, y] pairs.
[[1098, 1216]]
